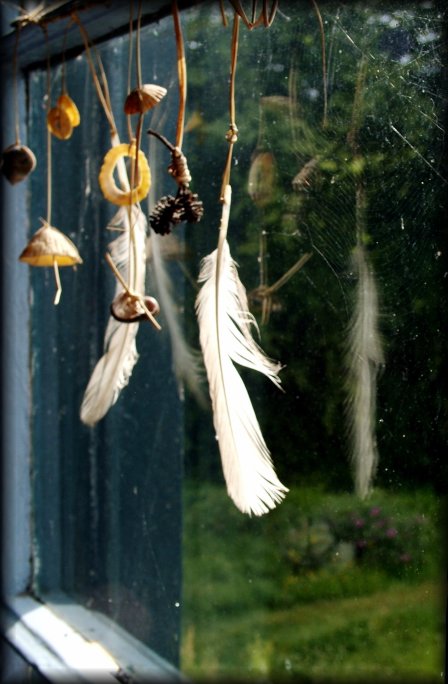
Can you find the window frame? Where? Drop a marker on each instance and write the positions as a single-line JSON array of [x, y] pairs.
[[58, 638]]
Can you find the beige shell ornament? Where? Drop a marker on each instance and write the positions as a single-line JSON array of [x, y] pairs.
[[17, 162], [50, 247], [141, 99]]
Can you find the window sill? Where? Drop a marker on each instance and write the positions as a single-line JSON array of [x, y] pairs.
[[63, 640]]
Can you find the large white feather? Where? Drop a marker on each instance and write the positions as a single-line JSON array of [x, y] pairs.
[[113, 370], [225, 336], [364, 359]]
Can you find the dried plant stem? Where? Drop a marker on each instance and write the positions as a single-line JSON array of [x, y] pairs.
[[182, 75], [232, 134]]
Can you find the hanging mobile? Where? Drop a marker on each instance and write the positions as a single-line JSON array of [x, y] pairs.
[[17, 160], [49, 246], [226, 338], [127, 253]]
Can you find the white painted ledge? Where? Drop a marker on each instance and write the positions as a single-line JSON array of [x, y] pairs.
[[65, 641]]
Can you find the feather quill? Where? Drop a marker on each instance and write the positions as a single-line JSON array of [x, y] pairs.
[[225, 336], [364, 360], [112, 372]]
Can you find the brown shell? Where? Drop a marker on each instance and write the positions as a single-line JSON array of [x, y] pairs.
[[66, 103], [127, 309], [141, 99], [17, 162], [59, 123], [49, 245]]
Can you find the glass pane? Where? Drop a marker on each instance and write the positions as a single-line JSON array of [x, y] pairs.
[[327, 585], [108, 513]]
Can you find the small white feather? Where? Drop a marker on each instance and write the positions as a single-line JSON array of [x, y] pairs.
[[112, 372], [225, 336], [364, 359]]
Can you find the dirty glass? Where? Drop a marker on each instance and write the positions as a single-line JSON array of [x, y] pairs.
[[339, 179]]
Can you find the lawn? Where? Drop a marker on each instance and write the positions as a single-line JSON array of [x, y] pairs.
[[293, 596]]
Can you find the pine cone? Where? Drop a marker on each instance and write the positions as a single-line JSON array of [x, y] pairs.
[[165, 215], [192, 207]]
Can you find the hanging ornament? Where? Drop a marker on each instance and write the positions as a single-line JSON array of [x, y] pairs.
[[50, 247], [107, 183], [226, 339], [143, 98], [17, 160]]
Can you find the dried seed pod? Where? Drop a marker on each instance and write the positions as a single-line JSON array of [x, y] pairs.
[[106, 176], [50, 247], [66, 103], [49, 244], [192, 206], [17, 162], [165, 215], [127, 308], [141, 99], [59, 123]]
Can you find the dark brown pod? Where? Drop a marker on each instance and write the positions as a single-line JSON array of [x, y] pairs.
[[17, 163], [126, 308]]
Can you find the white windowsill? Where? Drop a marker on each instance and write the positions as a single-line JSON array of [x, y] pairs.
[[63, 640]]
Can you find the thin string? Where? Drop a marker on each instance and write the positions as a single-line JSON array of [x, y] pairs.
[[182, 75], [232, 133], [49, 160], [15, 93], [131, 21], [137, 46]]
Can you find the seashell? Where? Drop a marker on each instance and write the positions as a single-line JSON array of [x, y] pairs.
[[17, 162], [106, 176], [66, 103], [49, 245], [141, 99], [59, 123], [126, 308]]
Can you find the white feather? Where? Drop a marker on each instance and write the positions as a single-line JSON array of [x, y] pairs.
[[113, 370], [225, 336], [364, 359]]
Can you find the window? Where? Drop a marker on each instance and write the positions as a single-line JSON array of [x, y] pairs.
[[337, 225]]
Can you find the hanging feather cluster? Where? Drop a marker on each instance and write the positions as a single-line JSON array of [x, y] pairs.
[[225, 336], [364, 360], [113, 370]]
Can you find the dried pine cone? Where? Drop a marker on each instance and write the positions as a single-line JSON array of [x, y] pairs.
[[165, 215], [192, 206], [169, 211]]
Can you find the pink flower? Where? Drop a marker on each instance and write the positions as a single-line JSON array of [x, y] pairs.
[[391, 532], [359, 522], [376, 510]]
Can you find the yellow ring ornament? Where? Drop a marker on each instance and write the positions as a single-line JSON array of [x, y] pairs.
[[106, 176]]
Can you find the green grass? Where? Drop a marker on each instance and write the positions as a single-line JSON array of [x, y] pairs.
[[252, 613]]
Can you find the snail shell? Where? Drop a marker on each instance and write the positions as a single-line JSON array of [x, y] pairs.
[[127, 309], [17, 162], [141, 99]]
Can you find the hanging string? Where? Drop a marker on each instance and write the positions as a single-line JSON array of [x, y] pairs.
[[49, 160], [15, 93], [131, 21], [182, 75], [232, 133]]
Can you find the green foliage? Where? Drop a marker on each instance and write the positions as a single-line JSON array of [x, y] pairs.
[[251, 610]]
